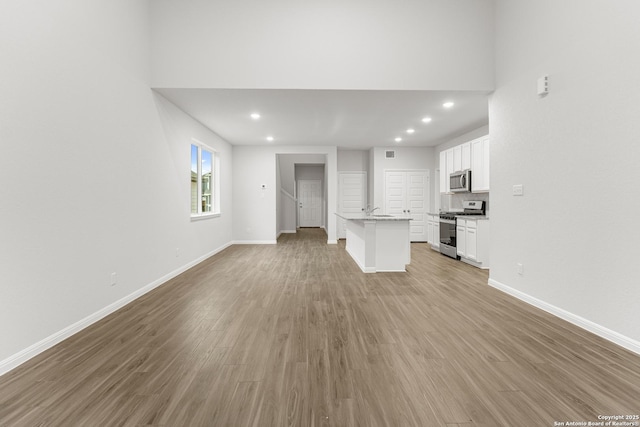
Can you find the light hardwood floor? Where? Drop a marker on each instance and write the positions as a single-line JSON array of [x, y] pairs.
[[295, 335]]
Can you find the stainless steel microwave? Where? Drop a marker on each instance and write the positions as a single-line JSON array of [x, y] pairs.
[[460, 182]]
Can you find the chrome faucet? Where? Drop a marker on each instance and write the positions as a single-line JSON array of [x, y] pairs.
[[369, 210]]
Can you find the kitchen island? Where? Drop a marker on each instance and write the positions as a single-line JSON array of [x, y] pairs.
[[378, 243]]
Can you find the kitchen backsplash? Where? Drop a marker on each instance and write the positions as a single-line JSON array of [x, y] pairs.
[[450, 202]]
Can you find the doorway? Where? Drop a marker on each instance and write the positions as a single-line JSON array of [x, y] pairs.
[[309, 203]]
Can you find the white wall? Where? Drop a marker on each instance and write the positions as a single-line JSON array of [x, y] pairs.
[[577, 154], [254, 209], [94, 170], [280, 196], [460, 139], [405, 158], [353, 160], [360, 44], [310, 172]]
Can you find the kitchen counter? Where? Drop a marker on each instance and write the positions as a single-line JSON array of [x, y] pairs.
[[472, 217], [378, 243], [373, 217]]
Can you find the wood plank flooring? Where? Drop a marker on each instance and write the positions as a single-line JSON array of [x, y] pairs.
[[295, 335]]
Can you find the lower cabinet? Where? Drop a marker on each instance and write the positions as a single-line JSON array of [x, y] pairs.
[[433, 230], [472, 241]]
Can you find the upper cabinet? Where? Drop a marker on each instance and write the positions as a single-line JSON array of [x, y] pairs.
[[480, 165], [472, 155], [461, 157]]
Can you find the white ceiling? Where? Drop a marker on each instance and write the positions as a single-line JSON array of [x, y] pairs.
[[351, 119]]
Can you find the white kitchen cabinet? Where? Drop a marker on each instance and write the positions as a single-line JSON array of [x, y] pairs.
[[480, 165], [433, 231], [449, 169], [446, 167], [457, 158], [461, 238], [460, 158], [472, 241], [444, 178]]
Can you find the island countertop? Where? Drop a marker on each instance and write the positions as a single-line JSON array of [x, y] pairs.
[[373, 217]]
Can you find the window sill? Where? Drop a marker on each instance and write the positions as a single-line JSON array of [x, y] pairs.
[[204, 216]]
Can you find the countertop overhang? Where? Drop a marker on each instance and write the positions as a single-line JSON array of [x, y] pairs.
[[365, 217]]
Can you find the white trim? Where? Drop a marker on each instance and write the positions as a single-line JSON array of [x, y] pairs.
[[286, 193], [473, 263], [323, 203], [255, 242], [332, 242], [198, 217], [606, 333], [362, 267], [285, 232], [21, 357]]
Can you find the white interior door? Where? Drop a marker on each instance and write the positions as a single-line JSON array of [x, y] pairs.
[[395, 191], [407, 192], [352, 197], [309, 203], [418, 204]]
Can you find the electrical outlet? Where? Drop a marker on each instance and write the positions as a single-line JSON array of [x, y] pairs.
[[518, 190], [520, 268], [114, 279], [177, 252]]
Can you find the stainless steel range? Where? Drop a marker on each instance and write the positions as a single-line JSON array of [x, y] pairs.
[[448, 225]]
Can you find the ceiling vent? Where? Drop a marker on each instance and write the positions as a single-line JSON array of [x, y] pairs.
[[390, 154]]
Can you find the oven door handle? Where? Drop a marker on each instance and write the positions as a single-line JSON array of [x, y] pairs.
[[448, 221]]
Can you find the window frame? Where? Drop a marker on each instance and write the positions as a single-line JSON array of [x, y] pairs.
[[215, 182]]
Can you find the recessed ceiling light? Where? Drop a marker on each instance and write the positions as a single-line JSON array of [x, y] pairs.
[[269, 138], [255, 116], [448, 104], [426, 119], [398, 139], [410, 130]]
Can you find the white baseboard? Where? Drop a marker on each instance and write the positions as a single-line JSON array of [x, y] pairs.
[[613, 336], [332, 242], [357, 261], [19, 358], [288, 232], [475, 264], [255, 242]]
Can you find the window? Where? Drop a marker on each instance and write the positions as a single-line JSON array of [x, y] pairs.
[[204, 181]]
